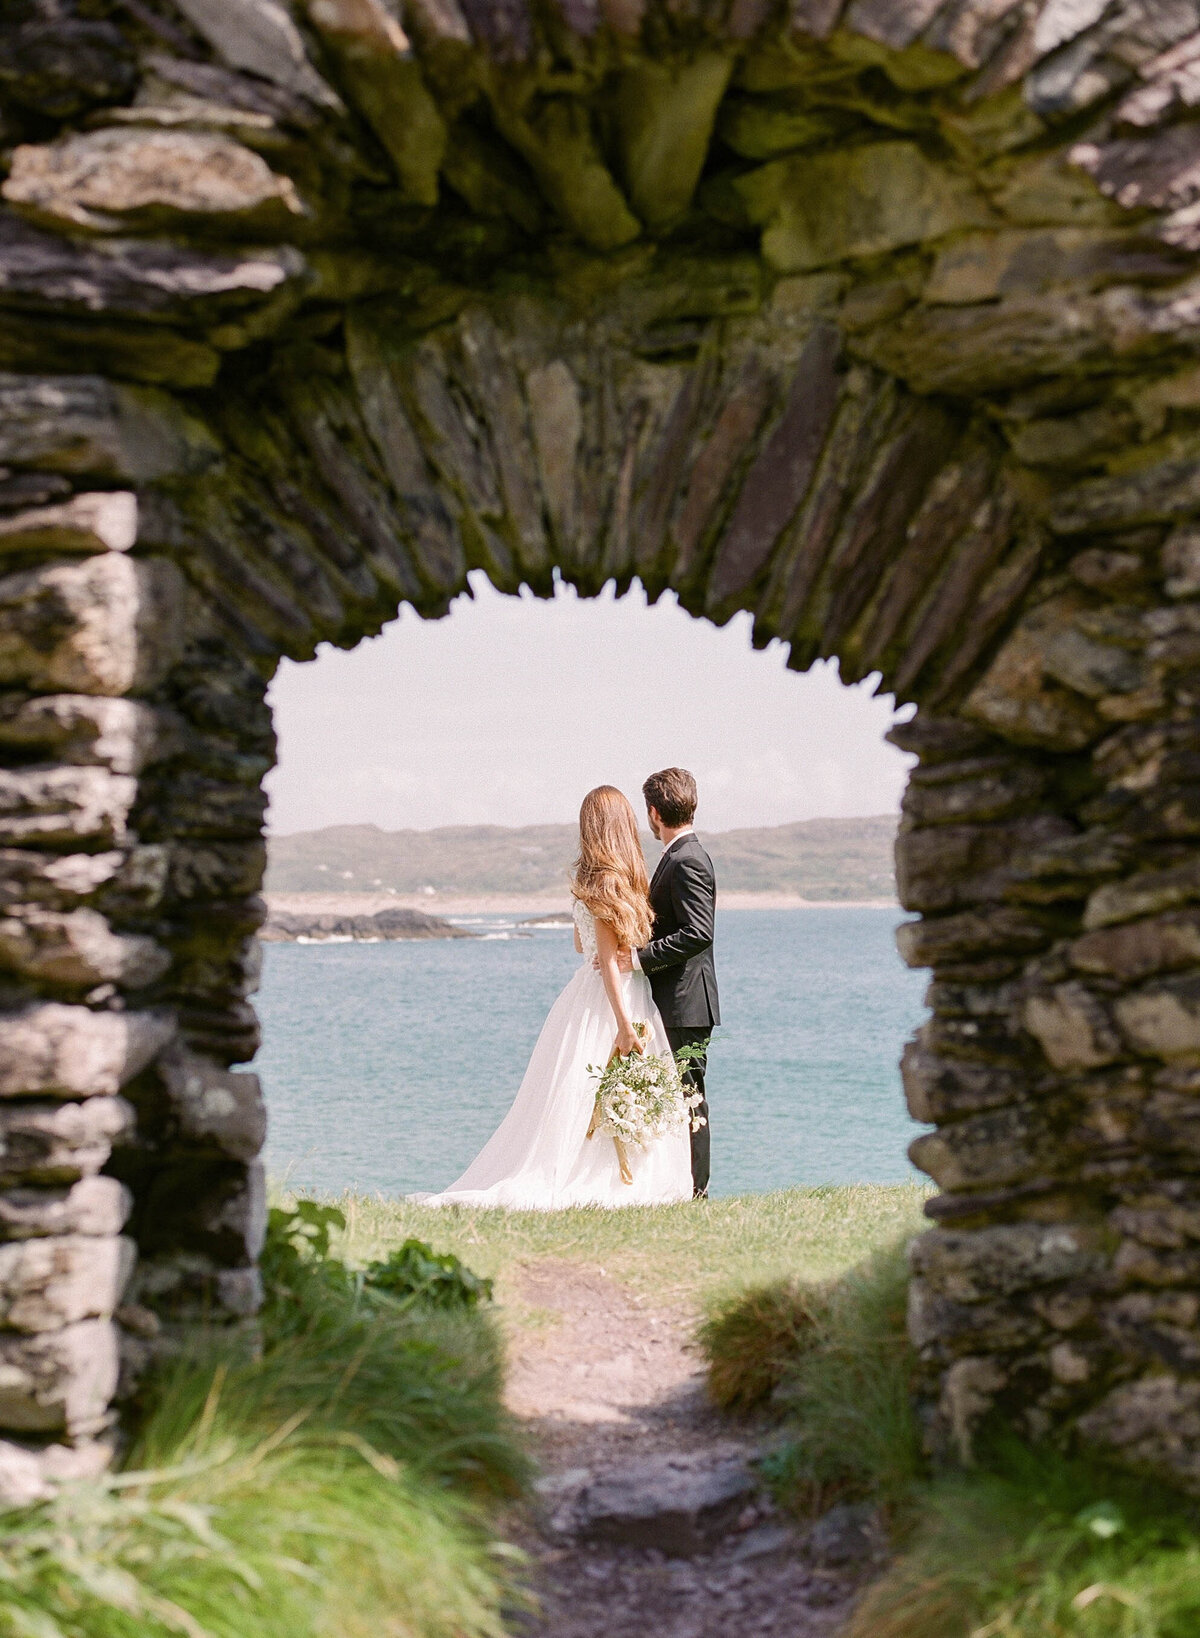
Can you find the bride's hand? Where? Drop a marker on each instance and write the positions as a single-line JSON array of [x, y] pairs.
[[627, 1041]]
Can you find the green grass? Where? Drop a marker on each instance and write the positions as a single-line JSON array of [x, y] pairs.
[[833, 1360], [1039, 1546], [1032, 1544], [751, 1341], [335, 1487], [344, 1483], [689, 1255], [299, 1533]]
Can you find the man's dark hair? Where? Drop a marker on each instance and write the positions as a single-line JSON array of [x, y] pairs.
[[672, 794]]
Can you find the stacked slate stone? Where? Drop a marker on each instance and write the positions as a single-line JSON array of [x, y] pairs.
[[126, 930], [876, 319]]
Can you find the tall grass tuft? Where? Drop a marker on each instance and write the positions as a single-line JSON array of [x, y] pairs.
[[753, 1340], [332, 1488], [834, 1360], [299, 1534], [420, 1384], [848, 1395]]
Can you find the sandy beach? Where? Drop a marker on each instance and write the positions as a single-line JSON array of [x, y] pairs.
[[516, 904]]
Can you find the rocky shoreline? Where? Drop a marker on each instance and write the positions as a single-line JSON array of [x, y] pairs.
[[327, 926]]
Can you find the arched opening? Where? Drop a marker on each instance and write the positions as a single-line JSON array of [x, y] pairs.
[[387, 1066]]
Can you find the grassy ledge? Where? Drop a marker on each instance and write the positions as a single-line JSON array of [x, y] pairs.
[[690, 1254], [1031, 1544]]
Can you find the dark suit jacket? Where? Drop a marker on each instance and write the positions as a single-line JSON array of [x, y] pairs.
[[678, 959]]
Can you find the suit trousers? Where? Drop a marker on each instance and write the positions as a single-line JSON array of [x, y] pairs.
[[694, 1076]]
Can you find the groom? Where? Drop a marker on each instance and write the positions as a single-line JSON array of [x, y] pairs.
[[679, 957]]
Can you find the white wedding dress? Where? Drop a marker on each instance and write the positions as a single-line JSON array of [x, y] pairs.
[[540, 1157]]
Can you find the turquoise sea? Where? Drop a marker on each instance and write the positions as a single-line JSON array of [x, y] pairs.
[[387, 1066]]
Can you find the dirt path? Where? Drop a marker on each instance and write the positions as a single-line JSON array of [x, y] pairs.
[[632, 1454]]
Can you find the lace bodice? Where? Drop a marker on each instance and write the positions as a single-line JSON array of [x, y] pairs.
[[585, 924]]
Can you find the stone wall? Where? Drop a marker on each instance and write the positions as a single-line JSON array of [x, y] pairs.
[[879, 320]]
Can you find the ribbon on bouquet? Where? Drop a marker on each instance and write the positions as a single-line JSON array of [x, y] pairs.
[[622, 1154], [618, 1145], [622, 1161]]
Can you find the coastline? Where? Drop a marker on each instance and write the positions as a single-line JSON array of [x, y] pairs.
[[526, 904]]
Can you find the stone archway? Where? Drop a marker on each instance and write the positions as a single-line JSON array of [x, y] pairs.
[[877, 320]]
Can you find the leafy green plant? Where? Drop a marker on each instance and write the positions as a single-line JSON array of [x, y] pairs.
[[299, 1267], [420, 1378], [415, 1273], [307, 1227], [299, 1272]]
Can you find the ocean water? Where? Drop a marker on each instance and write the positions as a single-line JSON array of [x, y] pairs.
[[387, 1066]]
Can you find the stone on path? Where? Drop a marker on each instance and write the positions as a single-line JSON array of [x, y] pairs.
[[847, 1535], [679, 1504]]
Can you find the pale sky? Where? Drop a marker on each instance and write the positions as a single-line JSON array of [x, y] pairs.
[[511, 708]]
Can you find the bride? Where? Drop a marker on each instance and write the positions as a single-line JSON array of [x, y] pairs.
[[540, 1157]]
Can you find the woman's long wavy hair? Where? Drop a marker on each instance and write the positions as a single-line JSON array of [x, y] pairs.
[[610, 872]]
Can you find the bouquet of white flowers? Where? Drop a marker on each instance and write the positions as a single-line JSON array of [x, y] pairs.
[[640, 1098]]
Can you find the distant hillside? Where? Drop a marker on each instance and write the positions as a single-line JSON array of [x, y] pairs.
[[818, 858]]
